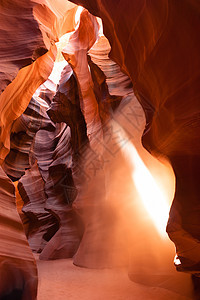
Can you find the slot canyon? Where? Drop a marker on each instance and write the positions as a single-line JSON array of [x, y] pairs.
[[99, 149]]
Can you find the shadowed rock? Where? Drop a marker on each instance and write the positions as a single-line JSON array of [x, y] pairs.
[[66, 108], [157, 45], [42, 224], [22, 136], [16, 97], [20, 36], [18, 268]]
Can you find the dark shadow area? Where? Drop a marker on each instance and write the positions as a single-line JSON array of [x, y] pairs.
[[14, 295]]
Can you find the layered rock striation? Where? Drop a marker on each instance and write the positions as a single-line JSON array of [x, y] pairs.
[[18, 267], [62, 138], [157, 45]]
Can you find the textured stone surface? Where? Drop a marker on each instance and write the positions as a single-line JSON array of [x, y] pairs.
[[16, 97], [49, 209], [54, 21], [42, 224], [95, 105], [76, 54], [17, 22], [18, 268], [157, 44], [61, 192], [65, 107], [22, 137]]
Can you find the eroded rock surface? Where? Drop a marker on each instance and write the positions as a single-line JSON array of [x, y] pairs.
[[157, 45], [42, 225], [20, 36], [18, 267]]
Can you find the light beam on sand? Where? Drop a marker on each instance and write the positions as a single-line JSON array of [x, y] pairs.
[[153, 196]]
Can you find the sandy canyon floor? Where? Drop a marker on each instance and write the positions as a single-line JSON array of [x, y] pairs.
[[61, 280]]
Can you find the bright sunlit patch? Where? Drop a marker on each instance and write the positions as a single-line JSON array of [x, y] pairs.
[[177, 261], [57, 70], [52, 81], [63, 41], [100, 27], [77, 15], [152, 195]]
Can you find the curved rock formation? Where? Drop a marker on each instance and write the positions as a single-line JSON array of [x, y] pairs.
[[18, 267], [20, 36], [65, 107], [52, 25], [42, 225], [76, 54], [22, 136], [157, 45], [54, 156], [16, 97]]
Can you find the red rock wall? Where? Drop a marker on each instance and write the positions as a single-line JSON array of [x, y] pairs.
[[17, 265], [20, 36], [157, 44]]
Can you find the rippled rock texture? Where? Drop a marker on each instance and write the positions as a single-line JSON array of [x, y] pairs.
[[25, 64], [59, 189], [16, 52], [63, 140], [18, 268], [157, 45], [22, 136], [42, 225]]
